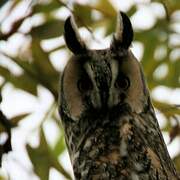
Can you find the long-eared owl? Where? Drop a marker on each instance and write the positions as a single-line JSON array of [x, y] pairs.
[[110, 126]]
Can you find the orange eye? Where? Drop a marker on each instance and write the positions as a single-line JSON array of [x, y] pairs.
[[122, 82], [84, 84]]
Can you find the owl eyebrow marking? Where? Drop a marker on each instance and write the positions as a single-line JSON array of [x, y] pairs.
[[114, 70], [90, 72]]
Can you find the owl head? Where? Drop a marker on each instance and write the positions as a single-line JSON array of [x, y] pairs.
[[100, 80]]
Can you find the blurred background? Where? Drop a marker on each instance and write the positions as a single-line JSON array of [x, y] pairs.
[[32, 58]]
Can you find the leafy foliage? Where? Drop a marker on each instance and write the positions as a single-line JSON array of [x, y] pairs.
[[38, 70], [43, 159]]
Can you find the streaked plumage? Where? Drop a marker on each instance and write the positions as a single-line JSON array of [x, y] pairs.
[[110, 126]]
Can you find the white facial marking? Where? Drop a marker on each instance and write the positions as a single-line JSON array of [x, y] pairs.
[[113, 99]]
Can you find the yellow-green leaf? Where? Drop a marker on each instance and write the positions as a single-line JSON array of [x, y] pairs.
[[106, 8], [177, 162], [47, 7], [43, 159], [50, 29], [16, 119]]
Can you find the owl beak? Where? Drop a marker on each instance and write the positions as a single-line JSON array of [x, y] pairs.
[[100, 101], [104, 99]]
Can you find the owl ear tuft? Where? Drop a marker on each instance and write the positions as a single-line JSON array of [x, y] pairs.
[[72, 37], [124, 32]]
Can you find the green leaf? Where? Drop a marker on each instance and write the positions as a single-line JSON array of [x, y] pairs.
[[83, 14], [151, 39], [2, 177], [132, 10], [59, 146], [47, 7], [2, 128], [40, 161], [16, 119], [172, 78], [167, 109], [110, 26], [106, 8], [22, 81], [41, 60], [39, 70], [24, 64], [47, 75], [167, 127], [25, 82], [169, 5], [176, 161], [50, 29], [43, 159]]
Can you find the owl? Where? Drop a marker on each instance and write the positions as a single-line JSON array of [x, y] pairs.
[[110, 126]]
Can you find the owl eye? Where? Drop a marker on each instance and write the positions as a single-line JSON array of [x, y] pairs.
[[84, 84], [122, 82]]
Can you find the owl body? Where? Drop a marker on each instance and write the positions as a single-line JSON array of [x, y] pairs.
[[110, 127]]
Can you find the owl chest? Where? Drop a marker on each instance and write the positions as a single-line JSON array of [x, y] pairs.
[[112, 148]]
